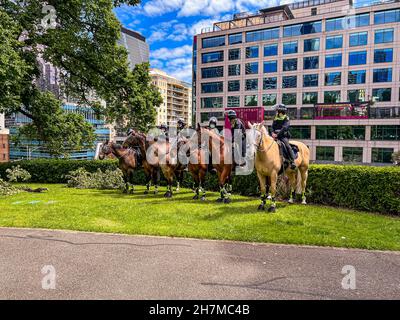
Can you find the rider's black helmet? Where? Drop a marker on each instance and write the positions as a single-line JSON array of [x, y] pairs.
[[213, 120], [163, 127], [130, 130], [181, 122], [281, 108], [231, 114]]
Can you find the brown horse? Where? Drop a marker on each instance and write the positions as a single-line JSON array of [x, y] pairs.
[[127, 161], [268, 164], [216, 147], [138, 141]]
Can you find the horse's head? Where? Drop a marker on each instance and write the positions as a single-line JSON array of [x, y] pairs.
[[255, 135], [105, 150]]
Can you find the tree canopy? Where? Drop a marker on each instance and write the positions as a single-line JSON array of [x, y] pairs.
[[94, 68]]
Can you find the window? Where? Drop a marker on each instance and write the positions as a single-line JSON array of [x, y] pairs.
[[340, 132], [289, 98], [313, 11], [357, 95], [213, 42], [384, 36], [213, 72], [358, 39], [270, 83], [233, 101], [325, 153], [213, 102], [289, 82], [311, 45], [234, 70], [385, 133], [270, 66], [359, 20], [290, 47], [289, 64], [388, 16], [210, 57], [302, 29], [306, 113], [382, 155], [205, 116], [235, 38], [212, 87], [311, 63], [335, 42], [383, 55], [334, 24], [300, 132], [234, 85], [251, 84], [332, 96], [269, 99], [310, 97], [352, 154], [310, 80], [252, 52], [262, 35], [251, 101], [251, 68], [382, 94], [383, 75], [234, 54], [333, 60], [333, 79], [271, 50], [357, 77], [357, 58]]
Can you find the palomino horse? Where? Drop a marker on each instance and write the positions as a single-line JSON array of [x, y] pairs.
[[127, 161], [268, 164], [216, 146], [139, 142]]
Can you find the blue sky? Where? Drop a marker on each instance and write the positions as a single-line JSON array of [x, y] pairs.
[[169, 26]]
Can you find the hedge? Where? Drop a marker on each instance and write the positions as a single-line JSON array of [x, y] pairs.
[[366, 188]]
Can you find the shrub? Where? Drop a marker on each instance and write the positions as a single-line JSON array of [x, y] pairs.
[[17, 174], [6, 189], [109, 179]]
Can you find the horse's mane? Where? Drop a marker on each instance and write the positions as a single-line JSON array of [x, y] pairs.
[[261, 127]]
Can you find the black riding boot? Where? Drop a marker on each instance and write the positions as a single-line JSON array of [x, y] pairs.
[[290, 153]]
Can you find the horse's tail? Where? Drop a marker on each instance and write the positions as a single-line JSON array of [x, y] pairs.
[[298, 182]]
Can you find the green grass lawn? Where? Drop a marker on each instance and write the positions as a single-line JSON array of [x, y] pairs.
[[112, 211]]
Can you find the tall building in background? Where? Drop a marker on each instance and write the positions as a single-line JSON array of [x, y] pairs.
[[136, 45], [4, 140], [177, 98], [334, 63], [50, 80]]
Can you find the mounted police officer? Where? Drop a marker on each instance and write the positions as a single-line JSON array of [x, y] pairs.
[[280, 131], [237, 124], [212, 124]]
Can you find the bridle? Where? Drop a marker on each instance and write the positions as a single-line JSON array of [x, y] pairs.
[[259, 145]]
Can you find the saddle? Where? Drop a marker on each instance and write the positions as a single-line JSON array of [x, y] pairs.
[[284, 154]]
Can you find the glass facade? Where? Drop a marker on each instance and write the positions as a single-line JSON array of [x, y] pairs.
[[382, 155], [352, 154], [213, 42], [234, 70], [310, 63], [270, 66], [251, 68], [210, 57], [333, 60], [311, 45], [234, 85], [251, 101], [358, 39], [212, 87], [233, 101], [251, 84], [211, 102], [289, 82], [387, 16], [382, 75], [269, 99], [357, 58], [235, 38], [262, 35], [357, 77], [302, 29], [252, 52], [310, 97], [340, 132], [357, 95], [383, 55], [382, 94], [325, 153], [334, 42], [289, 98], [384, 36], [271, 50], [310, 80], [290, 47], [332, 96], [234, 54], [333, 79], [300, 132], [270, 83], [213, 72], [289, 65], [385, 133]]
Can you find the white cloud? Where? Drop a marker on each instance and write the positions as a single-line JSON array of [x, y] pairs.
[[157, 36], [205, 7], [160, 7], [171, 53]]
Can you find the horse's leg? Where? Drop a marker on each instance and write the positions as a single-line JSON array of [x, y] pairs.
[[156, 179], [263, 189], [197, 188], [304, 177], [126, 182], [292, 183], [274, 179], [222, 191], [228, 186], [131, 182], [148, 180], [179, 180], [202, 175], [170, 179]]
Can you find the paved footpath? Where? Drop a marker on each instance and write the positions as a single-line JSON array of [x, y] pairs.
[[108, 266]]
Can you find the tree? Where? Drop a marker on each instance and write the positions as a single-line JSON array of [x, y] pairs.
[[95, 70]]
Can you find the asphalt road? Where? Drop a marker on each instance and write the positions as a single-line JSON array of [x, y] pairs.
[[108, 266]]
